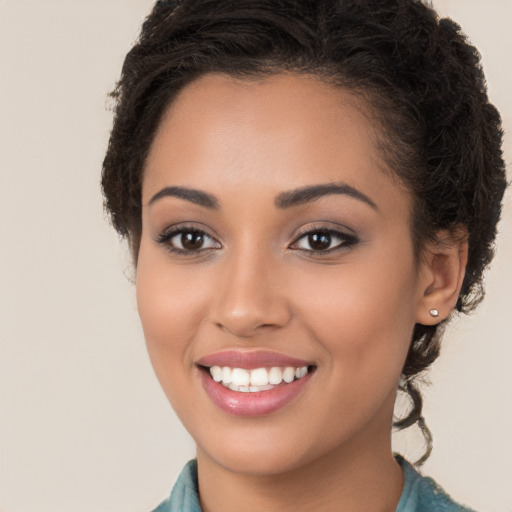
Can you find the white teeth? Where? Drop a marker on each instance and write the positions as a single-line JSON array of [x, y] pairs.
[[226, 375], [240, 377], [255, 389], [259, 379], [275, 376], [301, 372], [289, 374], [216, 373]]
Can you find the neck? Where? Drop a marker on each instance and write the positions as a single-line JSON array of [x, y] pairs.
[[364, 476]]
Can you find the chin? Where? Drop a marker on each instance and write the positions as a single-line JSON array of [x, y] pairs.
[[260, 461], [264, 451]]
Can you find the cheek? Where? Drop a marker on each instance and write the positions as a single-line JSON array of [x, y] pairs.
[[169, 298], [163, 310], [364, 331], [170, 311], [363, 317]]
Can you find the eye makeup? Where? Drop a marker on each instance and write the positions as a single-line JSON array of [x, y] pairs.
[[188, 240], [323, 240]]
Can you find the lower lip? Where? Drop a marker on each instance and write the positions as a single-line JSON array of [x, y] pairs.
[[259, 403]]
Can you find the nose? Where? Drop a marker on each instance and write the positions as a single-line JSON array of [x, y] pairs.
[[251, 298]]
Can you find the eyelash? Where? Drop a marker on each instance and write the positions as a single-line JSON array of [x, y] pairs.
[[347, 241], [166, 237]]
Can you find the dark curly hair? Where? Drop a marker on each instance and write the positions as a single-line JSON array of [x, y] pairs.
[[417, 73]]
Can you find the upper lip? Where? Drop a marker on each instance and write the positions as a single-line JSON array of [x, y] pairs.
[[251, 359]]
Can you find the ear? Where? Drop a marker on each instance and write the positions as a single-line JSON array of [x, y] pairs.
[[442, 271]]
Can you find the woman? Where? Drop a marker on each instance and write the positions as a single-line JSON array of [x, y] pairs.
[[310, 190]]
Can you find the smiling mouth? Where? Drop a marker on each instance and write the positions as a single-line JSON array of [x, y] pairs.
[[258, 379]]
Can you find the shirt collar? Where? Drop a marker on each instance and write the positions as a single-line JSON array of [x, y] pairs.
[[185, 494]]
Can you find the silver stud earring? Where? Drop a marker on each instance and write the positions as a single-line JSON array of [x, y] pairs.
[[434, 312]]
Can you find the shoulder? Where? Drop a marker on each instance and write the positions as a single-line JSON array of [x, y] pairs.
[[184, 496], [423, 494]]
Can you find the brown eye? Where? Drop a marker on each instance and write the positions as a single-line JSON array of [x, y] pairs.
[[324, 240], [187, 240], [319, 241], [192, 240]]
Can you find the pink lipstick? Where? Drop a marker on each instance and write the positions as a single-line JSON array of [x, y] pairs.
[[253, 383]]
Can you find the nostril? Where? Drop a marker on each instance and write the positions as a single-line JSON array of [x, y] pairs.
[[242, 327]]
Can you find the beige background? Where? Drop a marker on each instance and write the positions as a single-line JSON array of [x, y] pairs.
[[83, 423]]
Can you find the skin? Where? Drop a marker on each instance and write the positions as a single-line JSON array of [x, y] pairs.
[[256, 284]]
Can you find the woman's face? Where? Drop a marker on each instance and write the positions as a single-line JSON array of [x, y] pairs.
[[272, 239]]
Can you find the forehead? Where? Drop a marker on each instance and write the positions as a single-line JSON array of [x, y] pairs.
[[280, 132]]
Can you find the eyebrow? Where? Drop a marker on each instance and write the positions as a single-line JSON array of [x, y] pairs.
[[312, 193], [283, 200], [194, 196]]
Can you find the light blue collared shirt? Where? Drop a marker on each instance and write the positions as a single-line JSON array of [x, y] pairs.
[[420, 494]]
